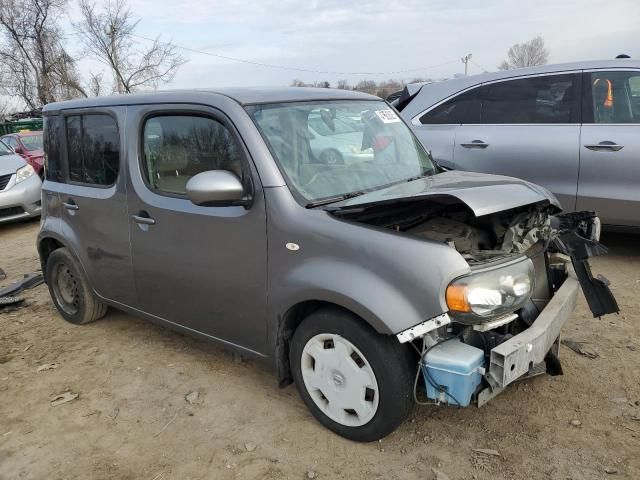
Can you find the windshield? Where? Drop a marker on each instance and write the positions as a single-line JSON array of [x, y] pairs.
[[5, 150], [32, 142], [335, 148]]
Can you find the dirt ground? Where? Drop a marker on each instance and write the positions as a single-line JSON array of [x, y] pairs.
[[132, 421]]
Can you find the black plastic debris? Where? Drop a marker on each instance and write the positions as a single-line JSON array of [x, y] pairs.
[[579, 348], [29, 280]]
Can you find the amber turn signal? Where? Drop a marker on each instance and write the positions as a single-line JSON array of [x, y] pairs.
[[456, 297]]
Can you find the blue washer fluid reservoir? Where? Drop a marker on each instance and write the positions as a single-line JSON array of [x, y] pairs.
[[453, 367]]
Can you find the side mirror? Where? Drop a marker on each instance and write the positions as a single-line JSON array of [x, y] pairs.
[[216, 188]]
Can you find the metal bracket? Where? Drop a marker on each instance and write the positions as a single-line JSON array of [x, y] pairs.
[[423, 328]]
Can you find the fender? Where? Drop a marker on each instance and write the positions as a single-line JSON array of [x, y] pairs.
[[382, 305]]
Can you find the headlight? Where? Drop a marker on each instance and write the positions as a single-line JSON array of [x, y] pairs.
[[24, 172], [493, 292]]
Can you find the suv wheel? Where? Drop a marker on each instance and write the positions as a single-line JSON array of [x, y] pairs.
[[70, 290], [355, 381]]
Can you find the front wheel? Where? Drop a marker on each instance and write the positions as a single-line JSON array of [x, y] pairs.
[[355, 381]]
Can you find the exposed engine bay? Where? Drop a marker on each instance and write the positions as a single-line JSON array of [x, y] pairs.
[[478, 239], [469, 342]]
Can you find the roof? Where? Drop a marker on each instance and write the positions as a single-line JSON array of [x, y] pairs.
[[244, 96], [432, 92]]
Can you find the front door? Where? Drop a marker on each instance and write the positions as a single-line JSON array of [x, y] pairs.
[[610, 147], [529, 128], [204, 268]]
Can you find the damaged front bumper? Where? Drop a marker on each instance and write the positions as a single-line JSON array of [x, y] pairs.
[[525, 343], [525, 353], [535, 350]]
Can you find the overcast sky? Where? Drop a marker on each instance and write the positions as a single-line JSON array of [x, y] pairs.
[[348, 37]]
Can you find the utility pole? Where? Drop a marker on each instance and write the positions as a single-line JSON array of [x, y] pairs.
[[465, 60]]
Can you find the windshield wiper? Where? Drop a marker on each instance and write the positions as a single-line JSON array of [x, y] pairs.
[[418, 177], [327, 201]]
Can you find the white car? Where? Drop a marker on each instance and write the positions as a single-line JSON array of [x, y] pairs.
[[20, 187], [338, 140]]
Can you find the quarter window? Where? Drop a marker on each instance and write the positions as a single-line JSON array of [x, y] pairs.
[[52, 164], [544, 99], [614, 97], [93, 149], [465, 108], [177, 147]]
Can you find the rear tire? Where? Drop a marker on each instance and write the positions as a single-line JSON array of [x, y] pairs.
[[70, 289], [355, 381]]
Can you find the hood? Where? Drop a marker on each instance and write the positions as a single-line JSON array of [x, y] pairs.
[[35, 153], [11, 163], [483, 194]]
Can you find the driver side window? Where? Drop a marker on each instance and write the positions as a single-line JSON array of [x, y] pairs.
[[177, 147]]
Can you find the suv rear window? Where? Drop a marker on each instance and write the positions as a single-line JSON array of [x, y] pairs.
[[544, 99], [93, 149]]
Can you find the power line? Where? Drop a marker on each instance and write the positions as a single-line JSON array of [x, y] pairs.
[[479, 66], [295, 69]]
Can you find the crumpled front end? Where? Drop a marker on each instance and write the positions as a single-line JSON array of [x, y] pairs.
[[504, 317]]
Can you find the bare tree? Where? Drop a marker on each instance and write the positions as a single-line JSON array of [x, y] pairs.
[[526, 54], [343, 85], [34, 64], [95, 84], [296, 82], [109, 34], [367, 86]]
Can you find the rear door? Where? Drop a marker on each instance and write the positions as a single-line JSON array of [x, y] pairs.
[[204, 268], [94, 209], [610, 147], [528, 128]]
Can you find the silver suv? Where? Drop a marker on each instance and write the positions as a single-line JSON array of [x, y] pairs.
[[368, 283], [572, 128]]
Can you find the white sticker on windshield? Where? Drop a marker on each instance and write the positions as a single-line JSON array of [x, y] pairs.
[[387, 116]]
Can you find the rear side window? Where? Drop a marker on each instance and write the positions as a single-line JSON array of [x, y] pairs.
[[177, 147], [612, 97], [93, 149], [545, 99], [52, 160], [465, 108]]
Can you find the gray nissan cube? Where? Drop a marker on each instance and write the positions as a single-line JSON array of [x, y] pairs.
[[372, 284]]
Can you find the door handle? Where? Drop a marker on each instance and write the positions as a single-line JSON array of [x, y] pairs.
[[70, 205], [475, 144], [143, 218], [606, 146]]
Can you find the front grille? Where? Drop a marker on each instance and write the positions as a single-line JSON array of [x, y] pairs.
[[4, 179], [11, 211]]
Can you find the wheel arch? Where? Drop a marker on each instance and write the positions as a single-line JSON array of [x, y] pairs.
[[48, 243], [289, 321], [46, 246]]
